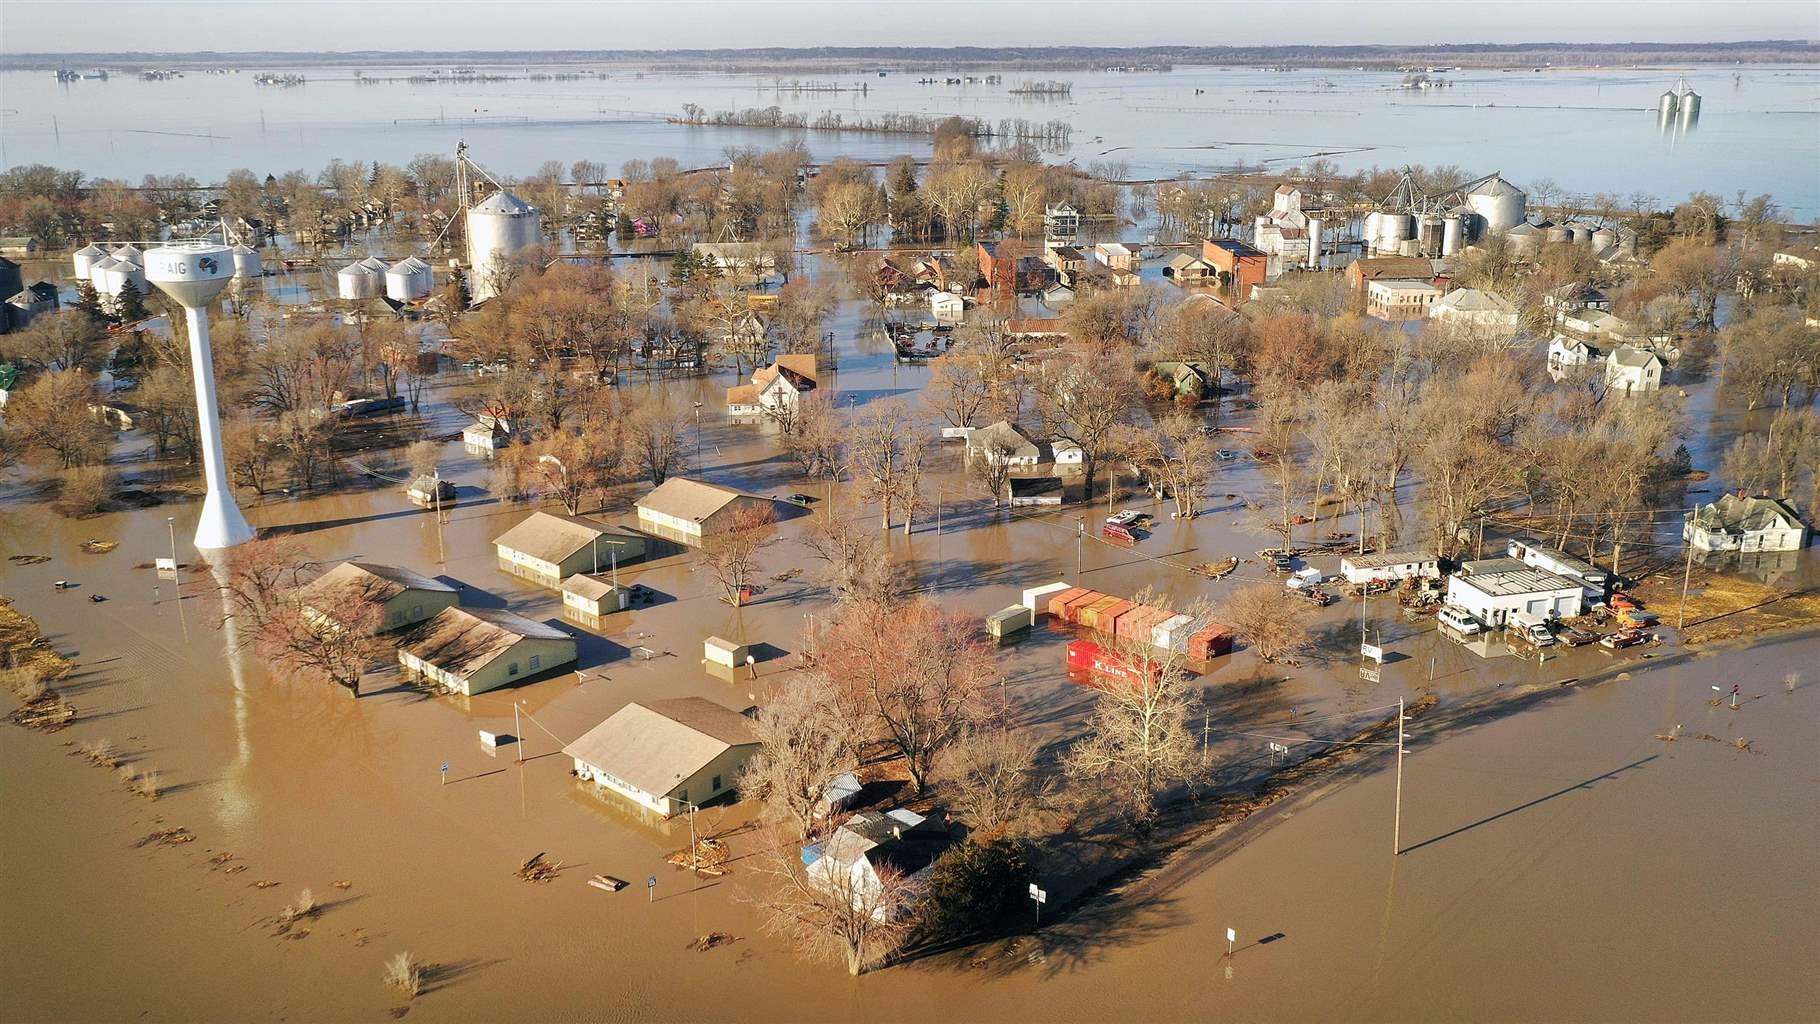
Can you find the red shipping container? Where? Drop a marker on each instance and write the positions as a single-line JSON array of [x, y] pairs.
[[1106, 619], [1090, 614], [1097, 663], [1210, 642], [1060, 602], [1071, 612], [1136, 625]]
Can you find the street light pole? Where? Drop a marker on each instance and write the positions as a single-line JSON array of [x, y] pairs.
[[697, 438]]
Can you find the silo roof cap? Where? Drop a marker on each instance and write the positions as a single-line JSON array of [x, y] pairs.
[[503, 202]]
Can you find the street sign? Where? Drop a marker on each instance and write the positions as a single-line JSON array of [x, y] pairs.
[[1371, 652], [1370, 674], [1039, 895], [1231, 935], [651, 883], [651, 889]]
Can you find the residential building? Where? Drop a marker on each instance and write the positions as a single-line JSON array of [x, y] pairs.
[[1400, 298], [1633, 370], [1568, 358], [1239, 266], [1033, 491], [404, 598], [1390, 565], [1036, 328], [1596, 582], [666, 755], [1361, 272], [1576, 296], [589, 596], [473, 650], [1061, 220], [1481, 310], [1065, 260], [1739, 523], [1117, 255], [947, 306], [547, 548], [849, 863], [1492, 588], [691, 511], [486, 435], [1800, 259], [1188, 269], [776, 390], [1196, 380], [430, 490], [1002, 443], [741, 257], [1057, 295]]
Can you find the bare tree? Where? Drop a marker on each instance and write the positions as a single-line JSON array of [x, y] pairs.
[[812, 436], [989, 778], [1177, 457], [799, 754], [654, 436], [732, 555], [264, 588], [55, 413], [858, 566], [879, 454], [841, 916], [1085, 398], [1270, 620]]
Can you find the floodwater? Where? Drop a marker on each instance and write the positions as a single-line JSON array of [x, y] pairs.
[[1591, 130]]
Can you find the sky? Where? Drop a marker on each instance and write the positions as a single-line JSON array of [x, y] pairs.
[[106, 26]]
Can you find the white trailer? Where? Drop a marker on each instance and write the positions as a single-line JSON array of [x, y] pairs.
[[1392, 565]]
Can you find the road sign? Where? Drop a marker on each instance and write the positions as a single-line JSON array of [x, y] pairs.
[[651, 889], [1279, 748], [1231, 935], [1370, 674], [1039, 895], [1371, 652]]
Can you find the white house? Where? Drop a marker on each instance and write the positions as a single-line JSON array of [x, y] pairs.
[[1391, 565], [666, 755], [1062, 220], [1738, 523], [1633, 370], [1569, 357], [486, 435], [1474, 307], [1003, 443], [947, 306], [1493, 588], [847, 864], [776, 390], [1400, 298], [1116, 255]]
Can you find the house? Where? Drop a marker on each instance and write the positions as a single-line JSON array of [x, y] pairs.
[[1739, 523], [1188, 378], [1475, 308], [1061, 220], [1576, 296], [473, 650], [1035, 328], [1399, 298], [1569, 357], [1633, 370], [1117, 255], [666, 756], [589, 596], [429, 489], [947, 306], [18, 245], [743, 257], [690, 511], [1492, 588], [1239, 266], [891, 277], [1002, 443], [1189, 269], [1065, 260], [547, 548], [486, 435], [776, 390], [405, 598], [1390, 565], [1057, 295], [1361, 272], [849, 863]]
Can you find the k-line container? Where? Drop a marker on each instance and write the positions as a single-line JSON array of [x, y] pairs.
[[1037, 598], [1089, 616], [1171, 633], [1058, 602], [1007, 622], [1210, 642], [1097, 663]]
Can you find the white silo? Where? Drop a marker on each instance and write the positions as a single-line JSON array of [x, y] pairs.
[[1374, 226], [1452, 229], [130, 254], [1556, 234], [85, 259], [1690, 109], [499, 226], [407, 279], [357, 281], [248, 262], [376, 265], [1525, 241], [1666, 105], [109, 276], [193, 274], [1314, 243], [1393, 230], [1500, 203], [1603, 239]]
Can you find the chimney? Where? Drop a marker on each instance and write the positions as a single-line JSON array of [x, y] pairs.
[[897, 831]]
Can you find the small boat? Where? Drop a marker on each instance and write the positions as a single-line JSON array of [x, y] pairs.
[[607, 883], [1214, 570]]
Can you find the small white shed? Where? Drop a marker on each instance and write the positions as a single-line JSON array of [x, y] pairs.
[[726, 652]]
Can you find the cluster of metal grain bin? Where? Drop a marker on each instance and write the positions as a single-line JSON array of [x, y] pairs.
[[1115, 617]]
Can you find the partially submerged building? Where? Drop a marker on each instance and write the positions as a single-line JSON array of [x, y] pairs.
[[691, 511], [473, 650], [666, 755], [1739, 523], [850, 863], [776, 390], [547, 548], [404, 598], [1491, 589]]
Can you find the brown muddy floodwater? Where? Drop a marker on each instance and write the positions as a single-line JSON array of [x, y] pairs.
[[1559, 863]]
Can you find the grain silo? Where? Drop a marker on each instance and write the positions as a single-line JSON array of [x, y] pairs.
[[1497, 202], [130, 254], [408, 279], [1525, 241], [499, 227], [248, 262], [1393, 230], [85, 259], [358, 281], [110, 276], [1603, 239], [1453, 229]]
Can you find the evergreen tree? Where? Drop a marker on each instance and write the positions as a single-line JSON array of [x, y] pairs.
[[708, 267], [624, 229], [129, 306], [88, 300], [682, 268]]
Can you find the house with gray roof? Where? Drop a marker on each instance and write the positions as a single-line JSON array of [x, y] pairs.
[[1739, 523], [547, 548], [473, 650], [404, 598], [666, 755]]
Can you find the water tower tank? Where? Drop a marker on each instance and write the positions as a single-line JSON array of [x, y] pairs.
[[1500, 203], [357, 281], [248, 262], [1452, 230], [1667, 104], [498, 227], [85, 259]]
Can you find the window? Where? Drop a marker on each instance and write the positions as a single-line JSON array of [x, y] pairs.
[[417, 611], [716, 787], [512, 669], [536, 662]]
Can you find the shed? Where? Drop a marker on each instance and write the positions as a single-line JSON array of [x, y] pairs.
[[726, 652], [428, 490], [593, 596]]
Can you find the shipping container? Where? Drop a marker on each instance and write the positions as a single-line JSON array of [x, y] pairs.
[[1089, 615], [1097, 663], [1059, 602], [1138, 625], [1211, 641], [1037, 598], [1104, 618], [1113, 622], [1008, 622], [1171, 634], [1071, 612]]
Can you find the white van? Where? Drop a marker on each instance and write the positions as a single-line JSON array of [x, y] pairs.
[[1528, 627], [1457, 619], [1305, 579]]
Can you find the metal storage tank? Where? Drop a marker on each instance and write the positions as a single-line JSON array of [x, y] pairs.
[[1452, 230], [85, 259], [407, 279], [1603, 239], [1690, 108], [248, 262], [498, 227], [1557, 233], [1374, 226], [1578, 234], [1525, 241], [376, 265], [1314, 243], [1393, 230], [130, 254], [1499, 202], [357, 281], [109, 276], [1667, 105], [1429, 233]]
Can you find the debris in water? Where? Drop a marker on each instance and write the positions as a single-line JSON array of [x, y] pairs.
[[1671, 735], [536, 869], [99, 547], [28, 559], [265, 884], [343, 884], [710, 941], [167, 837]]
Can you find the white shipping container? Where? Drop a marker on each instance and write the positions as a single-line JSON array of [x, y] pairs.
[[1171, 634], [1007, 621], [1036, 598]]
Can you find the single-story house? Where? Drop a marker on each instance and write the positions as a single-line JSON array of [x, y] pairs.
[[1189, 378], [1029, 491], [1492, 588], [775, 390], [1801, 259], [847, 863], [1035, 328], [1397, 298], [486, 435], [405, 598], [1475, 307], [547, 548], [473, 650], [666, 755], [687, 511], [590, 596], [947, 306], [1569, 357], [1576, 296], [1057, 295], [1002, 442], [1739, 523], [1188, 268], [1633, 370], [429, 489], [1117, 255], [1390, 565]]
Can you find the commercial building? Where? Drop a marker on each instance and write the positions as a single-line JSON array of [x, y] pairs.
[[404, 598], [473, 650], [1390, 565], [666, 755], [1493, 588], [690, 511], [547, 548], [1238, 266], [1400, 298]]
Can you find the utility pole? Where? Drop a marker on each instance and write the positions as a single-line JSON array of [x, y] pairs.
[[697, 441], [1080, 534], [1396, 831], [1687, 572], [518, 733], [1478, 550], [436, 485]]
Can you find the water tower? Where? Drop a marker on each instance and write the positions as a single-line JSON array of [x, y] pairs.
[[192, 274]]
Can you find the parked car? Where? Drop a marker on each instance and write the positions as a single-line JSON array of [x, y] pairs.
[[805, 500], [1321, 598], [1114, 531], [1127, 517], [1281, 563], [1459, 620], [1225, 454], [1529, 628], [1207, 430], [1572, 637], [1624, 638]]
